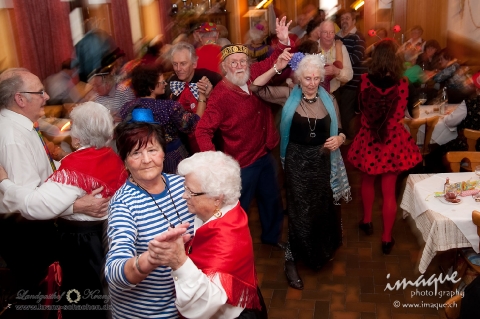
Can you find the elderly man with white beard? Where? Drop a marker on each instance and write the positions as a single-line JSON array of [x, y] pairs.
[[244, 129]]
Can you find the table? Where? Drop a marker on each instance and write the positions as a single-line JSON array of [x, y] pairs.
[[441, 134], [439, 232]]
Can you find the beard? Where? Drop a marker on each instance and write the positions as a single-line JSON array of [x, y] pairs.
[[239, 77]]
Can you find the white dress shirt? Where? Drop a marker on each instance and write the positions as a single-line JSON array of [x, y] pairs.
[[24, 158], [196, 295], [446, 128]]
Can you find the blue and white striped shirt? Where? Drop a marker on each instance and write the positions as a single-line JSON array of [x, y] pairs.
[[133, 221]]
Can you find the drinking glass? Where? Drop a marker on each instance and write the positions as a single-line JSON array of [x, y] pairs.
[[477, 170], [452, 192], [422, 98]]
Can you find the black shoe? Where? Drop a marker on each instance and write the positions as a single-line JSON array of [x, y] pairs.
[[387, 246], [366, 227], [293, 278]]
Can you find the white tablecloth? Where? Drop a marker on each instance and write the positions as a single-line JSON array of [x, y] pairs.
[[442, 226]]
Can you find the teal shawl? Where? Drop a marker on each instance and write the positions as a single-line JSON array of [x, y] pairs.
[[338, 174]]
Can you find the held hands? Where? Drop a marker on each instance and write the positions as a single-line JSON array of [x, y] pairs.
[[91, 205], [330, 69], [281, 28], [167, 249], [204, 87]]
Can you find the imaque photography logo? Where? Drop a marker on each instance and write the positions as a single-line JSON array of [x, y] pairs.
[[421, 282], [432, 283]]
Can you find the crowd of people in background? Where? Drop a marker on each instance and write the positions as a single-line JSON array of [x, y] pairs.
[[168, 151]]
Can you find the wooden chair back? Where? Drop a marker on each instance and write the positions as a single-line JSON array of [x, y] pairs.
[[472, 137], [452, 307], [476, 221], [455, 159], [429, 127], [414, 125]]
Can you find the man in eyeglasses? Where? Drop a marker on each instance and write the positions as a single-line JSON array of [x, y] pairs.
[[245, 127], [27, 242]]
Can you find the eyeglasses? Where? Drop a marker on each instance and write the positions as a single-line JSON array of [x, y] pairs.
[[189, 194], [234, 64], [328, 32], [162, 82], [42, 92]]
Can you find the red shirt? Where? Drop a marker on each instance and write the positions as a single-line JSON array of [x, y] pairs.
[[243, 122]]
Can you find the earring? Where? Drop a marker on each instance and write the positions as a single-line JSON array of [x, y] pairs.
[[217, 213]]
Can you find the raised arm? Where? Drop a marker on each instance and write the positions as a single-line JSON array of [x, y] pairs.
[[277, 68]]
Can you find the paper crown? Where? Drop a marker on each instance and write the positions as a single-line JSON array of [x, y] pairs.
[[207, 27], [142, 115], [233, 48], [476, 79]]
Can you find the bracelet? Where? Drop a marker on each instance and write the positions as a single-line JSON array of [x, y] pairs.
[[342, 136], [202, 101], [138, 266], [275, 68]]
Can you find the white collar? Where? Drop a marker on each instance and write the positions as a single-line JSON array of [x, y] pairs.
[[18, 118], [224, 210], [352, 31]]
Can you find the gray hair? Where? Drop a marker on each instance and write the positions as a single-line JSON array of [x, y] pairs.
[[309, 62], [327, 21], [92, 124], [11, 82], [182, 45], [218, 173]]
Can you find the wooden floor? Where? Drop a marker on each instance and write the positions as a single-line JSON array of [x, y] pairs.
[[353, 284]]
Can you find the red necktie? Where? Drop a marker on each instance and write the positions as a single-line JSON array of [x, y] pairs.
[[37, 128]]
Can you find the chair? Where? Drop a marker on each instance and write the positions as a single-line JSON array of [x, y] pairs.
[[472, 137], [476, 221], [452, 307], [429, 127], [454, 160], [414, 125]]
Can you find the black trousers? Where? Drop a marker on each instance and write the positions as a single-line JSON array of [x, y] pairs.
[[28, 247], [82, 258], [254, 313]]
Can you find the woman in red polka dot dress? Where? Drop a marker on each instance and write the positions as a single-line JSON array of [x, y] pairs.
[[383, 147]]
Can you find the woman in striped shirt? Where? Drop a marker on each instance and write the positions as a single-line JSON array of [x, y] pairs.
[[145, 206]]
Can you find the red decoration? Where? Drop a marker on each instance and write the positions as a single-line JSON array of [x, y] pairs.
[[397, 28], [372, 33]]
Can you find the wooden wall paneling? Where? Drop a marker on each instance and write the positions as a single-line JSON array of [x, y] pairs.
[[8, 51], [431, 15], [375, 18], [150, 14], [101, 13]]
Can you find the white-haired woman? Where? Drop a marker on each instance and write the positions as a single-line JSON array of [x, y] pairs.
[[92, 168], [214, 274], [311, 135]]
